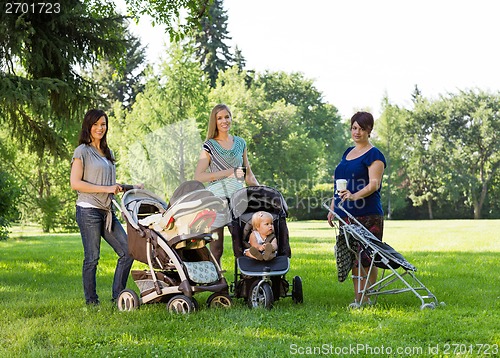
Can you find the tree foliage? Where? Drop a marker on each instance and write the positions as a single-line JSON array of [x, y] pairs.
[[42, 89], [44, 94], [160, 139], [448, 157], [169, 13], [121, 82], [211, 47]]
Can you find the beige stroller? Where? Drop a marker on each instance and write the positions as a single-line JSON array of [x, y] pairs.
[[171, 240]]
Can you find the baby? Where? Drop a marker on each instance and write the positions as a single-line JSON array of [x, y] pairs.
[[263, 243]]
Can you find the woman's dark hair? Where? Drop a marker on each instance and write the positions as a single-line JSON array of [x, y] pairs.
[[364, 120], [91, 117]]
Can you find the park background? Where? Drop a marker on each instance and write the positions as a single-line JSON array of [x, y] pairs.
[[442, 151]]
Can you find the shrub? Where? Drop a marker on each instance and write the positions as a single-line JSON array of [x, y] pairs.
[[9, 194]]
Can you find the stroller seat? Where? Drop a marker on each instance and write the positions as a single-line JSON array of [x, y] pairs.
[[261, 282], [201, 271]]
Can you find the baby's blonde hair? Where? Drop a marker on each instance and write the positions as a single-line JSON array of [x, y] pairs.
[[258, 217]]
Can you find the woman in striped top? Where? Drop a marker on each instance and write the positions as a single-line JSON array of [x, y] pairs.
[[220, 157]]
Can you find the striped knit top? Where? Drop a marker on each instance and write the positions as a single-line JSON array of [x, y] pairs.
[[222, 159]]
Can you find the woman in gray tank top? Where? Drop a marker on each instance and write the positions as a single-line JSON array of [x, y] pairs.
[[93, 176]]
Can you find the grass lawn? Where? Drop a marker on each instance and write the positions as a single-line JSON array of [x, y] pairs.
[[43, 312]]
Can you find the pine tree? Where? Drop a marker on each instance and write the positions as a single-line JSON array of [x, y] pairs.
[[211, 49], [43, 93], [121, 83], [239, 59]]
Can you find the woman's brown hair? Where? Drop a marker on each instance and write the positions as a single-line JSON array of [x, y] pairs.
[[91, 117], [364, 120]]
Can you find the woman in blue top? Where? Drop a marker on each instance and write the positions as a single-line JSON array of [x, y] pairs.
[[362, 166], [222, 153]]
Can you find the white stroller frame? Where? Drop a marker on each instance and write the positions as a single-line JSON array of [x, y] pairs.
[[380, 257]]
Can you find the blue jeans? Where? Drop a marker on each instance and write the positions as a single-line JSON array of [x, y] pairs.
[[92, 222]]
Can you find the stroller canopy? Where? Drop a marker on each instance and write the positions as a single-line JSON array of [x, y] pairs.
[[140, 201], [256, 198]]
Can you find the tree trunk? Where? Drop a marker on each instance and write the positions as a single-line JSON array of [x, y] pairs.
[[429, 208], [477, 210]]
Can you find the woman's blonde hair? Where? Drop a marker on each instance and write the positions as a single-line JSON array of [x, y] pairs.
[[212, 131], [258, 217]]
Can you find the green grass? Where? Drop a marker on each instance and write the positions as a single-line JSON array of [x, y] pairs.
[[42, 310]]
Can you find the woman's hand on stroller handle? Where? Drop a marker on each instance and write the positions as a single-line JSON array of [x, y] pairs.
[[127, 187], [331, 218]]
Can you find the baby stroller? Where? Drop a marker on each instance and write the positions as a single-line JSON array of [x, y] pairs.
[[171, 240], [400, 273], [261, 282]]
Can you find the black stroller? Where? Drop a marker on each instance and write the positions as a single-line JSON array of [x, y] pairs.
[[261, 282], [171, 240], [397, 275]]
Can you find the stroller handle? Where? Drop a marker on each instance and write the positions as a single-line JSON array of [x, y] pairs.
[[337, 216], [125, 188]]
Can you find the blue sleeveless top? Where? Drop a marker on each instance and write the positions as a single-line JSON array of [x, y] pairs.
[[355, 171]]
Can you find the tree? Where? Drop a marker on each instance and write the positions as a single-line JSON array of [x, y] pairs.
[[160, 137], [472, 133], [44, 94], [239, 59], [320, 121], [211, 49], [168, 13], [388, 136], [42, 89], [124, 82], [422, 153], [9, 189]]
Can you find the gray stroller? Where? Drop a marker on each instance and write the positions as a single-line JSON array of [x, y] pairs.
[[397, 272], [262, 283]]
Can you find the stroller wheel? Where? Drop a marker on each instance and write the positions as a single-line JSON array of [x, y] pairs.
[[180, 304], [428, 306], [260, 295], [297, 295], [219, 300], [195, 304], [127, 300]]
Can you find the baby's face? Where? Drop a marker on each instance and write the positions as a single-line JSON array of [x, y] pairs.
[[266, 227]]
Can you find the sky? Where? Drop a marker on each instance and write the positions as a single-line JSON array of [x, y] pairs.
[[359, 51]]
